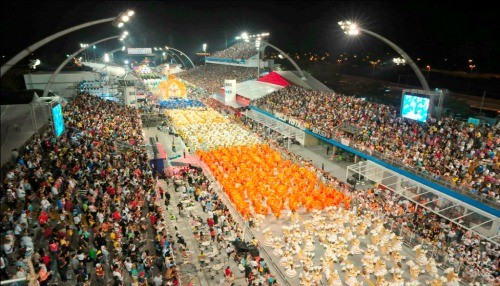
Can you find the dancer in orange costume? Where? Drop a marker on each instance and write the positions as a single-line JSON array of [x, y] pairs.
[[252, 175]]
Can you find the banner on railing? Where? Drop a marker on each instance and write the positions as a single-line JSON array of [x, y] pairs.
[[345, 141], [230, 90]]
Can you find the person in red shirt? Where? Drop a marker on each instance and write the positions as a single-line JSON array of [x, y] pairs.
[[228, 272], [45, 259], [111, 191], [43, 218], [68, 206], [116, 216], [210, 222], [212, 234], [153, 219]]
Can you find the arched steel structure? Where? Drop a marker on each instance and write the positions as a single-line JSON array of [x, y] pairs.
[[66, 61]]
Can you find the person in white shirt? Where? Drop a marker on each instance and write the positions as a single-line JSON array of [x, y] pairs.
[[21, 194], [128, 264], [222, 218], [18, 229], [158, 280], [100, 217], [117, 274], [23, 218], [26, 241], [77, 219], [45, 204]]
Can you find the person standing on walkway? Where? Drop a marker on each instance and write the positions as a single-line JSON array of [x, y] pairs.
[[99, 272], [167, 199], [327, 149]]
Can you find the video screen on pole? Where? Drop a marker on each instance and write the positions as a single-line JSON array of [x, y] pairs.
[[57, 117], [415, 106]]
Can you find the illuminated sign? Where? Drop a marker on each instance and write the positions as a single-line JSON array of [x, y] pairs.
[[139, 51]]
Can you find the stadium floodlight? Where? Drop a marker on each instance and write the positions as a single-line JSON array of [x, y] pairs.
[[124, 35], [204, 46], [349, 27], [106, 58], [352, 29], [123, 48], [399, 61], [244, 36], [123, 18], [125, 62], [34, 63]]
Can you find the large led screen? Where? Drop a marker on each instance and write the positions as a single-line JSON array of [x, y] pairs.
[[415, 107], [57, 117]]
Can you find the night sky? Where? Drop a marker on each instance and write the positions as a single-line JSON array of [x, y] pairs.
[[430, 30]]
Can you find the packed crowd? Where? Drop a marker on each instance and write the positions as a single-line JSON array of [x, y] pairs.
[[240, 50], [84, 209], [478, 259], [449, 150], [216, 231], [211, 77], [194, 91]]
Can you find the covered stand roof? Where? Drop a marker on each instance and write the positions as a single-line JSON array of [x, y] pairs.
[[253, 89], [274, 78]]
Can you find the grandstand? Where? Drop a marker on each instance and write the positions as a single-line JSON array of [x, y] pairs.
[[458, 229]]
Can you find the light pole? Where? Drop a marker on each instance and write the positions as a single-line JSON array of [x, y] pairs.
[[67, 60], [85, 51], [428, 71], [93, 48], [374, 63], [471, 67], [205, 52], [117, 21], [173, 56], [110, 53], [353, 29], [181, 53], [399, 61]]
